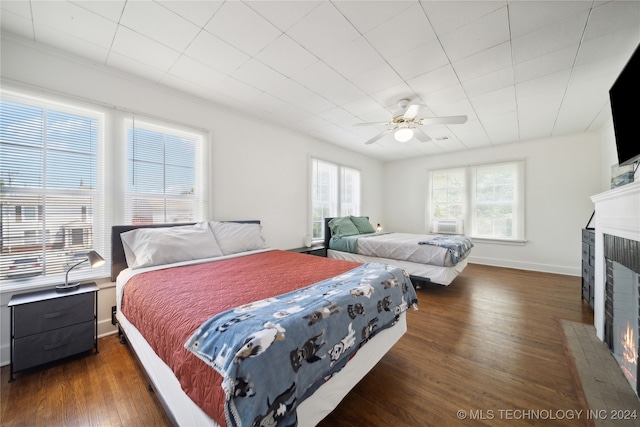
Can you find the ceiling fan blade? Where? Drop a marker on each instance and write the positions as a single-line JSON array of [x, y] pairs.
[[371, 123], [445, 120], [412, 111], [378, 136], [421, 136]]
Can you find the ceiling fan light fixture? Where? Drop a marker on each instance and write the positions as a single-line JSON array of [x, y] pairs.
[[403, 134]]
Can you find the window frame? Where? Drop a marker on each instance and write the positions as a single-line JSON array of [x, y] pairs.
[[200, 167], [470, 202], [111, 178], [51, 104], [339, 190]]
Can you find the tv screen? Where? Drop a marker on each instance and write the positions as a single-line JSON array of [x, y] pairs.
[[624, 96]]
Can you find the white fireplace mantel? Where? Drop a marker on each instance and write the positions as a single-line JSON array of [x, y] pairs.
[[617, 214]]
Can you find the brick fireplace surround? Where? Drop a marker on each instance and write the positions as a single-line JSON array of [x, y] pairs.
[[617, 233], [617, 214]]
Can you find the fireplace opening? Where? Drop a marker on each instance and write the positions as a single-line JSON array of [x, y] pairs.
[[622, 304], [625, 322]]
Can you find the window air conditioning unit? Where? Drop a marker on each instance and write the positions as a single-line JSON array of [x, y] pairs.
[[447, 226]]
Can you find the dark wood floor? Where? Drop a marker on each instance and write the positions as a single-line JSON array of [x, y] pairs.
[[489, 348]]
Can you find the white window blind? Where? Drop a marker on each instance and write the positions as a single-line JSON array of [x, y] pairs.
[[166, 179], [335, 190], [50, 200]]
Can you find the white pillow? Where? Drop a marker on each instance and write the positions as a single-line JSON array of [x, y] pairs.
[[146, 247], [235, 237]]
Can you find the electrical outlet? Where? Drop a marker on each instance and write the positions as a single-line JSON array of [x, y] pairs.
[[113, 315]]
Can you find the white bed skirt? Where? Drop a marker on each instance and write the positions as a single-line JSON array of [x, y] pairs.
[[440, 275], [184, 412]]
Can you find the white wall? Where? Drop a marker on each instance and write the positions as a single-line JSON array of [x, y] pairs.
[[560, 175], [258, 170]]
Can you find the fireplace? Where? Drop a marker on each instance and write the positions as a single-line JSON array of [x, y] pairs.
[[616, 308], [622, 308]]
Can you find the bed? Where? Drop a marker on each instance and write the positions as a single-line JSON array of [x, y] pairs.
[[181, 320], [427, 258]]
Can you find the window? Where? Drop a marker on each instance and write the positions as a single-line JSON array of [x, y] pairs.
[[488, 198], [335, 191], [48, 179], [55, 203], [162, 175]]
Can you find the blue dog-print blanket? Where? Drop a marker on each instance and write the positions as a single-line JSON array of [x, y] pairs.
[[458, 246], [274, 353]]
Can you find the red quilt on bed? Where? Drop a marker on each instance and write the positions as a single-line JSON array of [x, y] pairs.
[[168, 305]]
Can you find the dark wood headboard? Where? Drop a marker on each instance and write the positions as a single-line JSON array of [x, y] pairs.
[[118, 259]]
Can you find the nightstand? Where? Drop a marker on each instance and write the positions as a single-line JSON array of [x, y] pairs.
[[50, 325], [318, 250]]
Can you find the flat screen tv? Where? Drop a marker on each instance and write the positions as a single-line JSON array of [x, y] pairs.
[[624, 96]]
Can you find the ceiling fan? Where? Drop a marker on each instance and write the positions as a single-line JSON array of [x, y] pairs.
[[404, 124]]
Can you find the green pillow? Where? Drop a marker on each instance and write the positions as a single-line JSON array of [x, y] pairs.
[[362, 224], [342, 226]]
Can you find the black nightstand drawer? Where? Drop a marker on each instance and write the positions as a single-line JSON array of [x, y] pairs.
[[52, 314], [48, 346]]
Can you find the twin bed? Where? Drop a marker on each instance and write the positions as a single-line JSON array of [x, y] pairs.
[[427, 258], [232, 333]]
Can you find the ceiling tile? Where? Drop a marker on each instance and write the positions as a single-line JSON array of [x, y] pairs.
[[530, 16], [489, 82], [483, 63], [110, 9], [286, 56], [283, 14], [448, 16], [480, 35], [196, 11], [434, 81], [316, 104], [290, 91], [323, 31], [258, 75], [194, 71], [237, 90], [251, 37], [496, 97], [216, 53], [550, 63], [424, 58], [142, 49], [166, 27], [377, 79], [343, 93], [354, 58], [556, 36], [375, 13], [135, 67], [74, 21], [318, 77], [402, 33]]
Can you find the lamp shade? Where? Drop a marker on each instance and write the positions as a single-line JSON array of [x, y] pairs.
[[403, 134], [95, 260]]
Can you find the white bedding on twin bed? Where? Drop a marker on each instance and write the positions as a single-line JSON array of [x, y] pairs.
[[184, 412], [405, 247], [436, 274]]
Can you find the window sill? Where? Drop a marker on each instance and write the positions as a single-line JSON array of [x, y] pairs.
[[499, 241]]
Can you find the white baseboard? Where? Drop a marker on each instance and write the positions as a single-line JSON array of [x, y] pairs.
[[531, 266]]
